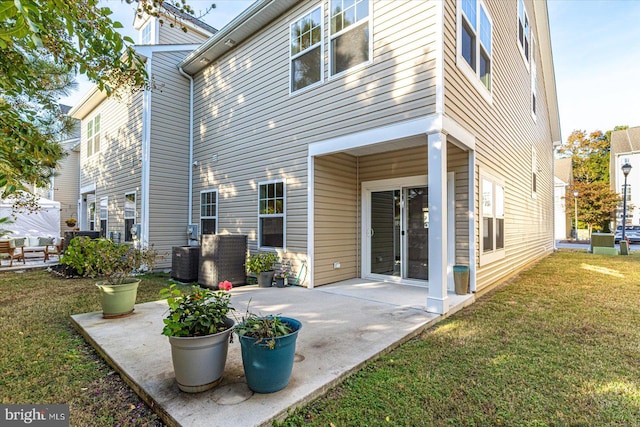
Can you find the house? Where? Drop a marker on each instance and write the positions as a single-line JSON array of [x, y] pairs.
[[563, 179], [625, 149], [134, 150], [64, 183], [378, 139]]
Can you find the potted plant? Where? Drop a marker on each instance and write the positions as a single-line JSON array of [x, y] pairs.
[[281, 276], [261, 264], [268, 345], [116, 263], [199, 331], [71, 222]]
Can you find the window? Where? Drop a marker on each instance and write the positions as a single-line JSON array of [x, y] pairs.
[[534, 75], [209, 211], [350, 42], [92, 216], [523, 31], [104, 216], [534, 172], [306, 50], [145, 36], [628, 193], [93, 136], [492, 225], [129, 215], [474, 39], [271, 215]]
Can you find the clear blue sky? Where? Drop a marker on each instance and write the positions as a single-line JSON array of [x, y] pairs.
[[596, 50]]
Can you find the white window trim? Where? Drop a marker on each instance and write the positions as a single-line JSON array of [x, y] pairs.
[[463, 66], [92, 139], [322, 52], [343, 31], [534, 171], [99, 213], [534, 77], [135, 212], [208, 216], [496, 254], [283, 215], [521, 47]]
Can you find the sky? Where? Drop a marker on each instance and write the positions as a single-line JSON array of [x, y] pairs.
[[596, 53]]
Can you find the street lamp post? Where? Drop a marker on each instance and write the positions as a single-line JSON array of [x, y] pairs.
[[575, 205], [626, 168]]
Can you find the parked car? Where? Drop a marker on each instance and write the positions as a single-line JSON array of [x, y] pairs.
[[631, 232]]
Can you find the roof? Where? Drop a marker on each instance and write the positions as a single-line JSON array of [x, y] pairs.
[[562, 169], [188, 18], [253, 19], [625, 141]]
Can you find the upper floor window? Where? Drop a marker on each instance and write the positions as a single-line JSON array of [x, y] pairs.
[[93, 136], [306, 50], [145, 36], [534, 173], [209, 211], [350, 41], [524, 32], [475, 38], [628, 192], [492, 213], [271, 214], [129, 215]]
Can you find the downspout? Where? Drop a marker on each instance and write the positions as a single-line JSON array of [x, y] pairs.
[[146, 161], [190, 204]]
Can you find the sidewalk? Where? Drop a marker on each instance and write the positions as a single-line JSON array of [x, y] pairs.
[[344, 326]]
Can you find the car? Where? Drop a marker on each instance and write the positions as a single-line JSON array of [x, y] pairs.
[[631, 233]]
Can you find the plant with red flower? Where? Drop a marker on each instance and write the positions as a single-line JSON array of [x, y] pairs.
[[225, 286]]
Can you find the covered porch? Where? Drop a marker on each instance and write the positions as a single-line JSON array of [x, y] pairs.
[[394, 205]]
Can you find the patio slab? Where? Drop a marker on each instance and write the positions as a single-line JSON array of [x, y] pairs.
[[344, 325]]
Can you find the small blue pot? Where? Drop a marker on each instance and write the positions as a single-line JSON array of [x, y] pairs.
[[269, 370]]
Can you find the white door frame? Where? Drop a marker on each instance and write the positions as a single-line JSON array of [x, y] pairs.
[[400, 183]]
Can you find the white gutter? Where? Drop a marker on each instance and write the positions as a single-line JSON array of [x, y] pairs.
[[190, 143]]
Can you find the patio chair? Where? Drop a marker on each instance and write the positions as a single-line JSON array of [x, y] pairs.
[[13, 252]]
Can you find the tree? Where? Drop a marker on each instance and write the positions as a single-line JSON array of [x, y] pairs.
[[589, 155], [596, 203], [42, 42]]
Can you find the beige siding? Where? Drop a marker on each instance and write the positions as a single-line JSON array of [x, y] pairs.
[[175, 35], [336, 220], [458, 163], [169, 170], [116, 169], [65, 187], [396, 164], [506, 133], [246, 116]]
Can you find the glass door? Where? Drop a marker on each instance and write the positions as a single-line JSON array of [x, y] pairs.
[[398, 233]]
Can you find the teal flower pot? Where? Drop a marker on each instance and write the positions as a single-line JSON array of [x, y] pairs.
[[266, 369]]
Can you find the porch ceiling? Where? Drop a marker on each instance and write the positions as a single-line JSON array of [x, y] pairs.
[[383, 147]]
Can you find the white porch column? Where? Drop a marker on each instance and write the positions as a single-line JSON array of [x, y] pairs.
[[437, 300]]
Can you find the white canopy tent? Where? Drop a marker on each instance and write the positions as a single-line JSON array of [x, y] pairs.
[[43, 223]]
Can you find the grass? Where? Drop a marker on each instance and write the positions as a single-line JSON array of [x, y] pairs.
[[558, 345], [44, 360]]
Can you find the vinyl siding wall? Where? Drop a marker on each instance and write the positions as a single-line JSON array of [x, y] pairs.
[[175, 35], [249, 128], [65, 187], [338, 196], [506, 133], [116, 169], [169, 169]]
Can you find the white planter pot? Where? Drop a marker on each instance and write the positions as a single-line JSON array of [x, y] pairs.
[[198, 362]]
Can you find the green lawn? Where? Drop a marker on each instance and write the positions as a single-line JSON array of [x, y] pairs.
[[558, 345]]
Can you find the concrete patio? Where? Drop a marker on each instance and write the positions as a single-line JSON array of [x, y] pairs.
[[344, 325]]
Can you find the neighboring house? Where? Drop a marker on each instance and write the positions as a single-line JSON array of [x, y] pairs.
[[134, 151], [378, 139], [625, 148], [563, 179]]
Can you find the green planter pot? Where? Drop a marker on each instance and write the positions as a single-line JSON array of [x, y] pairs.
[[266, 369], [198, 362], [118, 300]]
